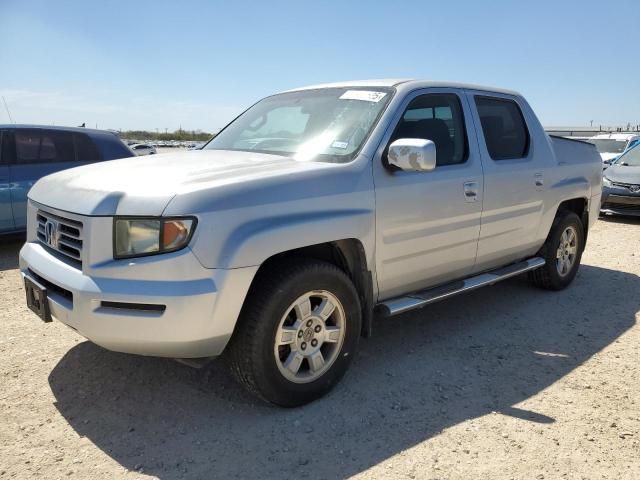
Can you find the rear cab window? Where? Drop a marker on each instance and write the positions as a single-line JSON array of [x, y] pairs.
[[505, 131]]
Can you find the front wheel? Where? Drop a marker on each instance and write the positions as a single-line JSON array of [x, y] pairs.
[[297, 332], [562, 252]]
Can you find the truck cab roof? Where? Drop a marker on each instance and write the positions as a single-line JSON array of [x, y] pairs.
[[407, 84]]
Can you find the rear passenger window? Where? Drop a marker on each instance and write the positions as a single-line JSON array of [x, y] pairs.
[[112, 147], [43, 146], [504, 128], [86, 150], [439, 118], [4, 155]]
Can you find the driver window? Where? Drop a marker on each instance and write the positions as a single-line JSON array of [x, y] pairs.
[[439, 118]]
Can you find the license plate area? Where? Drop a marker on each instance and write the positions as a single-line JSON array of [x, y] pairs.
[[37, 299]]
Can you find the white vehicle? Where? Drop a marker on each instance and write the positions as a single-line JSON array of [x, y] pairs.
[[612, 145], [141, 149], [277, 241]]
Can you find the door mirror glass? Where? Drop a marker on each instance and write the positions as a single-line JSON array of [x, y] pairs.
[[413, 154]]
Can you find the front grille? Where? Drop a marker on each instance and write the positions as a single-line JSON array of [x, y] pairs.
[[61, 236], [629, 186]]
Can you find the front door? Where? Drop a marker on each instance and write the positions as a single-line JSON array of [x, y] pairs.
[[36, 153], [6, 213], [428, 223]]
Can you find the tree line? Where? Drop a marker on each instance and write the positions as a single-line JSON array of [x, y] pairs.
[[181, 135]]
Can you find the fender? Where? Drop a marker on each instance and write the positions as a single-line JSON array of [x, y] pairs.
[[571, 188], [254, 242]]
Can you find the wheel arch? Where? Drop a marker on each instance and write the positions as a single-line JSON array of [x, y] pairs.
[[579, 206], [349, 255]]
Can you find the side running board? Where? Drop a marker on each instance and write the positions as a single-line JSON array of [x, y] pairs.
[[397, 305]]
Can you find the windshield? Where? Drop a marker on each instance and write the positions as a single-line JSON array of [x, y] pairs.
[[631, 158], [608, 145], [328, 124]]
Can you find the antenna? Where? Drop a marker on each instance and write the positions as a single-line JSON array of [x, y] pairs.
[[7, 109]]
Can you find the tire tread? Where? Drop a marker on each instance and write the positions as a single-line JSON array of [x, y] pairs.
[[544, 277], [242, 352]]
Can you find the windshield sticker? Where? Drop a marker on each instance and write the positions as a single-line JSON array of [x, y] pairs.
[[364, 95], [339, 144]]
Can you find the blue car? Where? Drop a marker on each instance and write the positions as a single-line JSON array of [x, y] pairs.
[[30, 152]]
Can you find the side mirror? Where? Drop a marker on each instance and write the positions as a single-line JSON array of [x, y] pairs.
[[413, 154]]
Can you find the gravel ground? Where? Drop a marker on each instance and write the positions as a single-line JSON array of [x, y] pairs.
[[505, 382]]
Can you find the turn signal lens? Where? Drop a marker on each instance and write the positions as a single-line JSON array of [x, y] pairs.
[[175, 233]]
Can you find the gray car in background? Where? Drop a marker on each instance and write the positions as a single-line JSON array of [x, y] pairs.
[[621, 185]]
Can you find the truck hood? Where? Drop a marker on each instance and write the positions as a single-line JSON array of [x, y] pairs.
[[623, 174], [146, 185]]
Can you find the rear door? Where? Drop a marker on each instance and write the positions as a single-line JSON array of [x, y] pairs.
[[513, 179], [427, 223], [6, 212], [36, 152]]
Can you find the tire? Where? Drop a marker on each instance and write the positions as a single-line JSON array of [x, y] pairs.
[[560, 268], [275, 311]]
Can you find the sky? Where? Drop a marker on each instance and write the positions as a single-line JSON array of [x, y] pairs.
[[196, 64]]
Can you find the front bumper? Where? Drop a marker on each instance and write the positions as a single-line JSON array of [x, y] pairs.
[[620, 201], [201, 305]]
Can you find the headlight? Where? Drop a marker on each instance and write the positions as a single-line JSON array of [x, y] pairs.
[[142, 236], [606, 182]]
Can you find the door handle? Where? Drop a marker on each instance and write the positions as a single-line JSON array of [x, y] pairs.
[[539, 181], [470, 191]]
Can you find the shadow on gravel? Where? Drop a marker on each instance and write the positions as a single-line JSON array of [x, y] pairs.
[[620, 219], [9, 249], [419, 374]]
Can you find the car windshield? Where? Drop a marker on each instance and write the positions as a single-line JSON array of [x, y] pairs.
[[631, 158], [328, 124], [608, 145]]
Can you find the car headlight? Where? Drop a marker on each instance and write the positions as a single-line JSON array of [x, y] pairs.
[[142, 236], [606, 182]]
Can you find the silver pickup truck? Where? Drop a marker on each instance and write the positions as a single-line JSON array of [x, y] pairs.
[[309, 213]]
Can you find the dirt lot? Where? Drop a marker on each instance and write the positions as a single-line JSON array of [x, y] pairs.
[[506, 382]]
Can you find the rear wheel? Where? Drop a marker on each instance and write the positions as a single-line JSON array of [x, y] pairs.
[[562, 252], [297, 332]]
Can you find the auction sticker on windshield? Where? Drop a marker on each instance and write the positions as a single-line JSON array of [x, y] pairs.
[[365, 95]]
